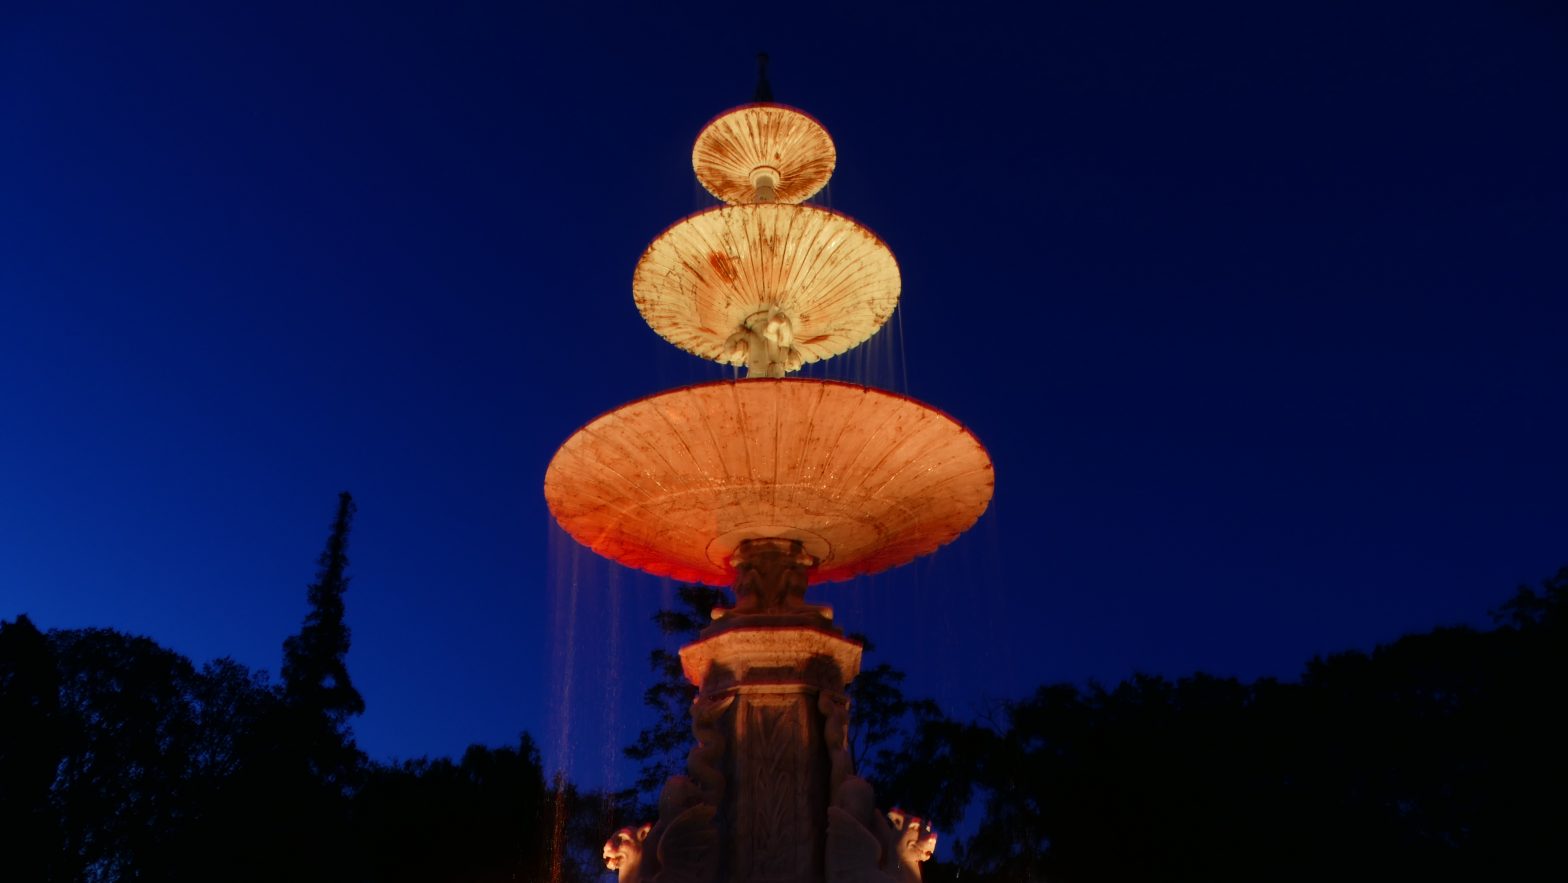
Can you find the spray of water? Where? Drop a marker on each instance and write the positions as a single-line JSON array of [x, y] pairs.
[[612, 608], [558, 831], [566, 575]]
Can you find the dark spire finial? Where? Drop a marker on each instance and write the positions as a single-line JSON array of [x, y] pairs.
[[764, 91]]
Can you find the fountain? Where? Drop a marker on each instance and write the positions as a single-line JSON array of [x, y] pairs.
[[768, 484]]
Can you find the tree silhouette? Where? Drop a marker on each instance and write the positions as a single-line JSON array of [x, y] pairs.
[[661, 747], [301, 762], [146, 741], [881, 719], [316, 684], [282, 809], [31, 748], [483, 819], [1435, 757], [121, 760]]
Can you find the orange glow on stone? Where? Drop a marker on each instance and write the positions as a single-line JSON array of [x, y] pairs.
[[785, 143], [672, 483], [701, 280]]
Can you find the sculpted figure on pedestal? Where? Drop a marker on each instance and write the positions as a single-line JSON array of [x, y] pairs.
[[863, 845], [685, 842], [703, 761], [771, 576], [835, 735], [683, 846]]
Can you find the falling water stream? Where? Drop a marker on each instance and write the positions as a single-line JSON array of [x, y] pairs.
[[585, 746]]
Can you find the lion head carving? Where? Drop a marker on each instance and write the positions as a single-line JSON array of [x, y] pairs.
[[623, 851], [916, 840]]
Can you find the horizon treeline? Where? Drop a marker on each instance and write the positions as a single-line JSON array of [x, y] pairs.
[[1438, 756]]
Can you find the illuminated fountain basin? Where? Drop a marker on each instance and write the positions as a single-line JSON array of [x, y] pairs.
[[864, 479]]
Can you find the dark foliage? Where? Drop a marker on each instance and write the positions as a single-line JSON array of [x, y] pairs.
[[32, 737], [283, 810], [120, 760], [584, 820], [484, 819], [882, 720], [661, 747], [1438, 756], [149, 742]]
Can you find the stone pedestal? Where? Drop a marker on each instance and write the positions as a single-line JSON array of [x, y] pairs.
[[770, 794], [768, 662], [771, 679]]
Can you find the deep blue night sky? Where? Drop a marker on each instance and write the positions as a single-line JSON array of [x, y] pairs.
[[1259, 307]]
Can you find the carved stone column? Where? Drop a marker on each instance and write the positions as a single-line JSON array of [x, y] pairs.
[[769, 661]]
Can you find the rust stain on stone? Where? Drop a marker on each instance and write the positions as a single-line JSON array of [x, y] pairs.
[[724, 266], [733, 145]]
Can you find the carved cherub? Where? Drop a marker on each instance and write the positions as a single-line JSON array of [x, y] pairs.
[[623, 852], [765, 342]]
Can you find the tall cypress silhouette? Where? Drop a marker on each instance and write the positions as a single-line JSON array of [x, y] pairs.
[[290, 804], [316, 684], [315, 670]]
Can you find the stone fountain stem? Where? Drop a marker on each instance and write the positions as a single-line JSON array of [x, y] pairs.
[[773, 663]]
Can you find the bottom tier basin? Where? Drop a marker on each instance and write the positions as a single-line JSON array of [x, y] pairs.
[[865, 479]]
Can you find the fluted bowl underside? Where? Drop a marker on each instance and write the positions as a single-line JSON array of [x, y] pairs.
[[774, 136], [701, 279], [866, 479]]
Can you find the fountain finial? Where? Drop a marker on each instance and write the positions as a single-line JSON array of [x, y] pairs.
[[764, 91]]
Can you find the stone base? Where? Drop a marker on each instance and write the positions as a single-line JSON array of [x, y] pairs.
[[771, 795]]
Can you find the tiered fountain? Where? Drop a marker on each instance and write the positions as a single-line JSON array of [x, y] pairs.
[[768, 484]]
